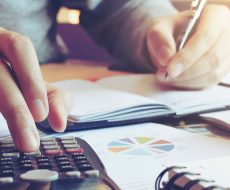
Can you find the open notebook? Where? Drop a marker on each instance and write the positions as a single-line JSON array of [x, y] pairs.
[[135, 98], [198, 175]]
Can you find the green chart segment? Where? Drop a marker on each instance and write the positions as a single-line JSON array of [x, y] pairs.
[[140, 146]]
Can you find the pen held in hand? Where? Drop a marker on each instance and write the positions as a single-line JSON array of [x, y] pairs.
[[197, 7]]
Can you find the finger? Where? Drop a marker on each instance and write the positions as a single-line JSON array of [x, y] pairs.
[[212, 23], [19, 52], [215, 58], [160, 42], [161, 38], [60, 103], [203, 81], [16, 113]]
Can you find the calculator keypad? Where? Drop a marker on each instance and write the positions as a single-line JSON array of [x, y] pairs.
[[58, 158]]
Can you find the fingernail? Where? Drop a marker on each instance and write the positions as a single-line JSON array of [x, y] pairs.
[[27, 140], [40, 111], [163, 55], [162, 74], [175, 70]]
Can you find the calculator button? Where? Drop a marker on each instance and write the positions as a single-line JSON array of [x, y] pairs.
[[24, 161], [84, 161], [67, 138], [84, 167], [7, 173], [5, 163], [79, 156], [74, 150], [76, 174], [10, 145], [26, 167], [54, 152], [7, 142], [33, 154], [6, 167], [48, 143], [66, 168], [42, 160], [92, 173], [64, 163], [6, 180], [48, 140], [61, 158], [68, 141], [8, 150], [45, 165], [5, 159], [43, 175], [71, 145], [51, 147], [11, 154]]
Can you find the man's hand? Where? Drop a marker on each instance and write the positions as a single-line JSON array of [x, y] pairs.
[[24, 97], [204, 60]]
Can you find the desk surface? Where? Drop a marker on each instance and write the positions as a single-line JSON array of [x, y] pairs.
[[77, 69]]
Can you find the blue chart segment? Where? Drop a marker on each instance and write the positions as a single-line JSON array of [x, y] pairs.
[[140, 146]]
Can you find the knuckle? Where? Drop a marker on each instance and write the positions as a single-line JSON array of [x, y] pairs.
[[157, 26], [151, 33], [214, 60], [18, 42], [17, 112], [29, 81]]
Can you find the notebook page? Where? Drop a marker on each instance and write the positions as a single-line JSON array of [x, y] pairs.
[[92, 100], [181, 101]]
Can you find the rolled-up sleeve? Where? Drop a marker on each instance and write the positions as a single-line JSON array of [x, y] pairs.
[[121, 25]]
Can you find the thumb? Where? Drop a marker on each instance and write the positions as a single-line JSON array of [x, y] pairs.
[[160, 42]]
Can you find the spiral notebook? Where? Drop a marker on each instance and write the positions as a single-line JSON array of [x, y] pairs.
[[199, 175]]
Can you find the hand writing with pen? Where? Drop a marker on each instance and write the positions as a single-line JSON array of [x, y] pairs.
[[205, 58]]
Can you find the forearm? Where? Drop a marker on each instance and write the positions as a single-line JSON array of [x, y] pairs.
[[122, 29]]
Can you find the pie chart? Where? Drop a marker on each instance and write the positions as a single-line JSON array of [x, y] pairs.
[[140, 146]]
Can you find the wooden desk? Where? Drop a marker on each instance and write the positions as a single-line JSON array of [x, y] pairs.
[[77, 69]]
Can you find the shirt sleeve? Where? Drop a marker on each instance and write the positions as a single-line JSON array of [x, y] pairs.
[[121, 25]]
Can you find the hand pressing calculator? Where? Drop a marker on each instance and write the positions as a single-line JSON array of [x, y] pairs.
[[65, 163]]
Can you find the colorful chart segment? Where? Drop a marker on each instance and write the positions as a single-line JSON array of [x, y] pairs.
[[140, 146]]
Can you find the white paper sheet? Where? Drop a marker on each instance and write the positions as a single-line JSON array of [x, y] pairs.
[[135, 155], [4, 131]]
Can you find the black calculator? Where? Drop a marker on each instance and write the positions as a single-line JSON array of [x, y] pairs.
[[64, 163]]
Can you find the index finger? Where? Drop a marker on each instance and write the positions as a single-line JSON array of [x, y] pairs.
[[212, 22], [20, 53]]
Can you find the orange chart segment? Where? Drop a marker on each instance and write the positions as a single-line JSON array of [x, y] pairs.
[[118, 149]]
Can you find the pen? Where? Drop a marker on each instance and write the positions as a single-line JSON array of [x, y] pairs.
[[197, 7]]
